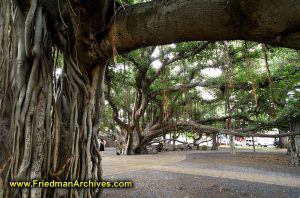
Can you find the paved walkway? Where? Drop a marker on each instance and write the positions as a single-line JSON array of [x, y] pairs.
[[117, 164], [175, 162]]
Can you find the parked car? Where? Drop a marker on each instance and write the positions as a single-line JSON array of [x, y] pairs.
[[249, 142]]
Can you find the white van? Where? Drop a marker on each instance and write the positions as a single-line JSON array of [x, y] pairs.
[[249, 142]]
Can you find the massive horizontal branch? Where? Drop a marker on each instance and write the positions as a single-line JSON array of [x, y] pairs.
[[224, 118], [169, 140], [170, 21], [247, 132], [167, 127]]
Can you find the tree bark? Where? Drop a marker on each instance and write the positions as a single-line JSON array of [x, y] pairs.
[[214, 144], [295, 143], [133, 145], [187, 20], [73, 103], [282, 141]]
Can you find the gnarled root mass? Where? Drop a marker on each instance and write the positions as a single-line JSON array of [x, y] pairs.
[[294, 144], [53, 120]]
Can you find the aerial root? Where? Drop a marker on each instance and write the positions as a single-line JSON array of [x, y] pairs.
[[29, 27]]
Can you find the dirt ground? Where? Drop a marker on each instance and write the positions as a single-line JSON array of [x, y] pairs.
[[204, 174]]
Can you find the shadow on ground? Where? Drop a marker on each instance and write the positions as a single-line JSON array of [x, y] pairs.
[[203, 174]]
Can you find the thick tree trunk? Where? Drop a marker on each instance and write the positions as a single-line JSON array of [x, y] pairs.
[[5, 109], [129, 145], [134, 145], [232, 145], [294, 146], [31, 101], [74, 152], [282, 140], [5, 148], [214, 143], [54, 122], [86, 101]]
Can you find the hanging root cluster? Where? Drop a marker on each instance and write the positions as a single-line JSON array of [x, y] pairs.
[[294, 144], [53, 120]]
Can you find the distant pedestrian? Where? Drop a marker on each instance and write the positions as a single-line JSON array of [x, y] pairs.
[[102, 144]]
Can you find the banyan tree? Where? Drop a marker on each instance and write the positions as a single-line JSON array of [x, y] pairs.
[[48, 123]]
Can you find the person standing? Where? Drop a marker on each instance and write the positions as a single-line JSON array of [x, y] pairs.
[[102, 143]]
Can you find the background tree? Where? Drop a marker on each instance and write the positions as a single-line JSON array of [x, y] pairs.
[[184, 102], [153, 101]]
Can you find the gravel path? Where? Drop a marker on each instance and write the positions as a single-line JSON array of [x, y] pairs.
[[202, 174], [155, 184]]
